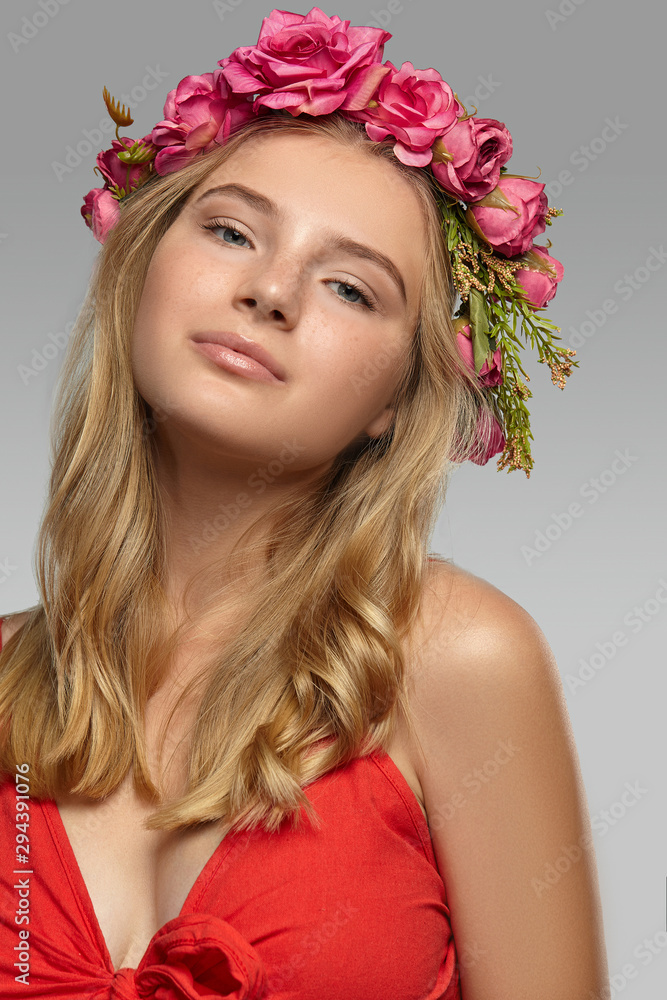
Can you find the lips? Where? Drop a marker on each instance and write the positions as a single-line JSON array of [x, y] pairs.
[[243, 345]]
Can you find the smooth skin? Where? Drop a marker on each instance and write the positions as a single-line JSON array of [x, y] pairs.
[[481, 671], [273, 273], [503, 791]]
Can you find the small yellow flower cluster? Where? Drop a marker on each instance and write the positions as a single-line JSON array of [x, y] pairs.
[[514, 458], [560, 370], [466, 266]]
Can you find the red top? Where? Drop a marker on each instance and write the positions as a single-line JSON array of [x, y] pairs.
[[355, 909]]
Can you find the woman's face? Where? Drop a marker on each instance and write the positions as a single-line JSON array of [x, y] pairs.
[[313, 252]]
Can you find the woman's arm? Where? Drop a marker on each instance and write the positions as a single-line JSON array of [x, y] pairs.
[[505, 799]]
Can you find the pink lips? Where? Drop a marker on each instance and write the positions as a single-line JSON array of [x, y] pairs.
[[239, 354]]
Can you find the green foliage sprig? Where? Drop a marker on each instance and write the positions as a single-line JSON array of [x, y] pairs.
[[499, 315]]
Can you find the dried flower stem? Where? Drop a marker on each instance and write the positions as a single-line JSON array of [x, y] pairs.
[[476, 265]]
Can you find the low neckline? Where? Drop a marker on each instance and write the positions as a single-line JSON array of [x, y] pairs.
[[78, 883], [68, 858]]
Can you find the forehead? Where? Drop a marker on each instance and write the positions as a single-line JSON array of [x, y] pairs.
[[323, 185]]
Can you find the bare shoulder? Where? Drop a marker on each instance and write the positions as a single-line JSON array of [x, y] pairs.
[[479, 665], [12, 623], [498, 768], [476, 624]]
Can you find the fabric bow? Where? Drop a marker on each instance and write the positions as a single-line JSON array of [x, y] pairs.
[[197, 957]]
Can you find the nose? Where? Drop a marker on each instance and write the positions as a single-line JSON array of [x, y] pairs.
[[271, 291]]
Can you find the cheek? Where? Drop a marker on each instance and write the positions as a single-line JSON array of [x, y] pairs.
[[170, 288], [353, 370], [151, 304], [173, 281], [153, 325]]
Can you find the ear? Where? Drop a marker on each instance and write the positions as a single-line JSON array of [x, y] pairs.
[[378, 425]]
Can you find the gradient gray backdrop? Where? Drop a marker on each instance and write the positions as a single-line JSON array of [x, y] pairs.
[[554, 73]]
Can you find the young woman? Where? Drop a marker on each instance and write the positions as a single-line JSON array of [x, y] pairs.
[[254, 742]]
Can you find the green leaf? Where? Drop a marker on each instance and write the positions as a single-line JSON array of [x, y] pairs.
[[479, 324], [137, 153]]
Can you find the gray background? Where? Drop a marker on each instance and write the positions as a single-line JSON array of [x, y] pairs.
[[553, 78]]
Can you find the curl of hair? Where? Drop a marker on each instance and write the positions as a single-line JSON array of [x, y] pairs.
[[316, 675]]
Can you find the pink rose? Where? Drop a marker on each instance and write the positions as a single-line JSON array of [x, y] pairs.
[[478, 148], [486, 375], [538, 286], [490, 439], [101, 212], [510, 230], [414, 105], [199, 113], [308, 64], [124, 176]]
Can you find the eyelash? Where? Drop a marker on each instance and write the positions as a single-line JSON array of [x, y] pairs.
[[365, 299], [224, 224], [366, 303]]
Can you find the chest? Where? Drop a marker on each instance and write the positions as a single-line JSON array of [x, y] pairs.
[[138, 879]]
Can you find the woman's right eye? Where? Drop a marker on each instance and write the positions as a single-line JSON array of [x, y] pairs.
[[230, 234], [236, 236]]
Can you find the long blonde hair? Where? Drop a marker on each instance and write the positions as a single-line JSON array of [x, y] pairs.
[[321, 654]]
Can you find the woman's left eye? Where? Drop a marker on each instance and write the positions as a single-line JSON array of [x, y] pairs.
[[361, 299]]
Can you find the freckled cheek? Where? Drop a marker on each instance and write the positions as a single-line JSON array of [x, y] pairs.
[[349, 376], [156, 327], [176, 299]]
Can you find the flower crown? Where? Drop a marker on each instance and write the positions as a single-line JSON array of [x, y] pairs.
[[314, 64]]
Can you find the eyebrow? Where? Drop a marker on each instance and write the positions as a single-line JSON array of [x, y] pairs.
[[344, 244], [252, 198], [336, 242]]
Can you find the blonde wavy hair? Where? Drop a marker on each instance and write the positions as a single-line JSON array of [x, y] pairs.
[[321, 654]]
